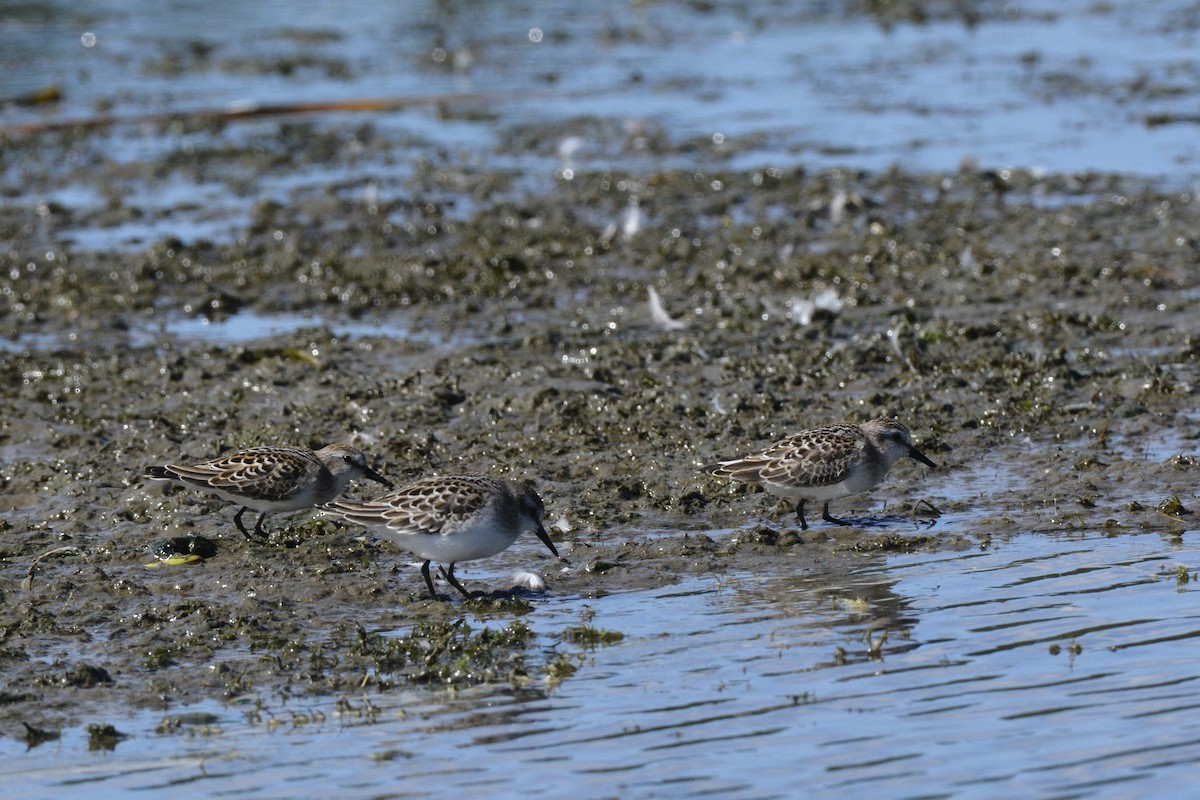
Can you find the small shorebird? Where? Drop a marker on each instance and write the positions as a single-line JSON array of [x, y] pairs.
[[451, 519], [826, 463], [270, 479]]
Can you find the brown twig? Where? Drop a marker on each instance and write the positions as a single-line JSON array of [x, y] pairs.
[[934, 510], [254, 111], [27, 584]]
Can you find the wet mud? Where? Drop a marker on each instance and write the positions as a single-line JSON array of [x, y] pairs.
[[1036, 332]]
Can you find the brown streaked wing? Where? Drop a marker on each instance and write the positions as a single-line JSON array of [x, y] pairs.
[[426, 506], [267, 472], [819, 457]]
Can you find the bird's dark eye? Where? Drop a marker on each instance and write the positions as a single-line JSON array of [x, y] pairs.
[[349, 459]]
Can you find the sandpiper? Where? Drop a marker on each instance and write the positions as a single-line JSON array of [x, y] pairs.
[[451, 519], [826, 463], [270, 479]]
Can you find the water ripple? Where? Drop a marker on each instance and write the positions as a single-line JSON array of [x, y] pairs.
[[1041, 667]]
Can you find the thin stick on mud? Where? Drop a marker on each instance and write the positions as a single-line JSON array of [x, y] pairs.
[[930, 507], [27, 584], [248, 111]]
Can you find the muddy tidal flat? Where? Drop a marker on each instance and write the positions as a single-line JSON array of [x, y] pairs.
[[1047, 371], [639, 305]]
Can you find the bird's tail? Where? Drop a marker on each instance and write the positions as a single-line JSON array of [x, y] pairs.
[[158, 474], [739, 470], [348, 510]]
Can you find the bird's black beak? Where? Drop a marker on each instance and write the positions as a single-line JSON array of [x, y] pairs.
[[545, 537], [919, 456], [375, 476]]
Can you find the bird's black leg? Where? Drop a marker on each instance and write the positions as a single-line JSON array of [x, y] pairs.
[[800, 514], [258, 531], [429, 581], [449, 576], [826, 516], [238, 521]]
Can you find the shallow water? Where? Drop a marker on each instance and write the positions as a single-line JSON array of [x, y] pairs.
[[1063, 86], [1042, 666], [1036, 85]]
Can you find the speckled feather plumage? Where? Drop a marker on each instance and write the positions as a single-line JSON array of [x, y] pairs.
[[824, 463], [451, 519], [818, 457], [273, 478], [261, 473], [435, 506]]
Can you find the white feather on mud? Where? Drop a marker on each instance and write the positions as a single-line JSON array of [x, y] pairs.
[[362, 439], [659, 314], [569, 147], [628, 223], [893, 336], [631, 221], [529, 580], [802, 310], [837, 206], [967, 260]]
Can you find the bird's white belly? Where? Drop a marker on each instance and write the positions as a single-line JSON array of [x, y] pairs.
[[460, 544], [294, 503], [860, 479], [816, 493]]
